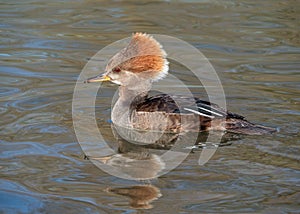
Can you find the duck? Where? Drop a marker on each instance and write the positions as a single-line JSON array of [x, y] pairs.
[[135, 68]]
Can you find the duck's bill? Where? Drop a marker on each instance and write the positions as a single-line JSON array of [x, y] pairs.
[[99, 78]]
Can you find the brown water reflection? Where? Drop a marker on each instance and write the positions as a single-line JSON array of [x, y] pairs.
[[254, 46], [140, 196]]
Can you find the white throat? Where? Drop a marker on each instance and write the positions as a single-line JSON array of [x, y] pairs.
[[128, 96]]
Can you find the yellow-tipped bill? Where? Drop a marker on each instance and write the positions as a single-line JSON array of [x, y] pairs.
[[100, 78]]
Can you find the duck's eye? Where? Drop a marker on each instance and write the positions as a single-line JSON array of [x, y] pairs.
[[117, 70]]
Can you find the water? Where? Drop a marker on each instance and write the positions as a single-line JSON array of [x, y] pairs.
[[254, 46]]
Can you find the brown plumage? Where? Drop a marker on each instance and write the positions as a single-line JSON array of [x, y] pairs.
[[162, 108], [134, 69]]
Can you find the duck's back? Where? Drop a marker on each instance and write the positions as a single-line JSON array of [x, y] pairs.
[[175, 114]]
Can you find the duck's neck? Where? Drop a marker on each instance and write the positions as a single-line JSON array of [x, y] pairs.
[[129, 97]]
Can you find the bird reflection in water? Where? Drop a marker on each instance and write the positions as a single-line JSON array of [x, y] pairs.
[[140, 196], [165, 123], [144, 161], [143, 155]]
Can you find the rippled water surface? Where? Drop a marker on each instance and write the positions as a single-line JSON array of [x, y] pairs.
[[254, 47]]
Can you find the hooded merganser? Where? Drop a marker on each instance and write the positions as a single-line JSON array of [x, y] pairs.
[[135, 68]]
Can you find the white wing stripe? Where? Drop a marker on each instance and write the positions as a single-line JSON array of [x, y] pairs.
[[211, 107], [199, 113], [215, 113]]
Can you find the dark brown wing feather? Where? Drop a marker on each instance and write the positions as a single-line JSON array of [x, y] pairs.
[[149, 113], [166, 103]]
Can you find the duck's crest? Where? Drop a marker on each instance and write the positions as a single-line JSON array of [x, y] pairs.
[[145, 54]]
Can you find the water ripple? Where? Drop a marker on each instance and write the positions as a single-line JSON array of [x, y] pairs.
[[254, 47], [8, 91]]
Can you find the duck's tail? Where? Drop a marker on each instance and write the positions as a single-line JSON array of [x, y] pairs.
[[242, 126]]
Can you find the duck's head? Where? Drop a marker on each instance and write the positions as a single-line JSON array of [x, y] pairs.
[[142, 60]]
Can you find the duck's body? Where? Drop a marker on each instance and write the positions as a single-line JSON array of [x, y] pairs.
[[135, 68], [146, 114]]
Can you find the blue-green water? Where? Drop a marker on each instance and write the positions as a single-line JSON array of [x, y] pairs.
[[254, 47]]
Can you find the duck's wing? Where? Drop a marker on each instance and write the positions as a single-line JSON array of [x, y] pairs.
[[207, 116], [174, 113], [184, 105]]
